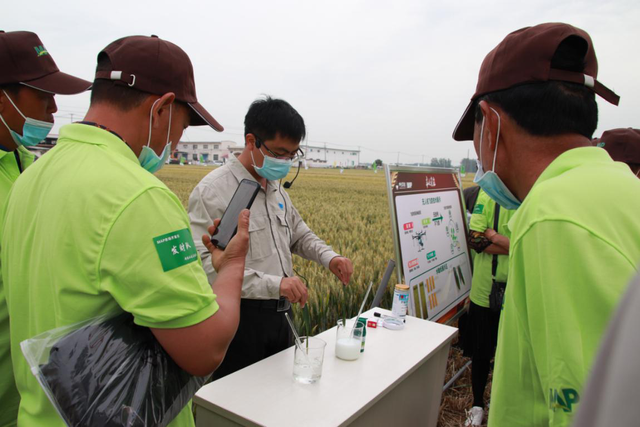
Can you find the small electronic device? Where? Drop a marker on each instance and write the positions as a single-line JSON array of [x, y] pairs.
[[242, 199]]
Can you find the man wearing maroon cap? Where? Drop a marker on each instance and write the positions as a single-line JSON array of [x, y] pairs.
[[29, 80], [575, 238], [108, 236], [623, 145]]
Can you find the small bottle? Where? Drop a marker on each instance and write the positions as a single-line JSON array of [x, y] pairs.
[[362, 321], [400, 301]]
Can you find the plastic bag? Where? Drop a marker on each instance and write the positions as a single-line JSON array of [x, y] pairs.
[[108, 371]]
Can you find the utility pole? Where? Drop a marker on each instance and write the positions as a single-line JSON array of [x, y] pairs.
[[325, 152], [398, 161], [422, 163], [71, 117]]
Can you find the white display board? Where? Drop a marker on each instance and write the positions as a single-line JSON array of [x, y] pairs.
[[429, 229]]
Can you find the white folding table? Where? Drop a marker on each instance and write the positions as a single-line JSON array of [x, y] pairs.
[[397, 381]]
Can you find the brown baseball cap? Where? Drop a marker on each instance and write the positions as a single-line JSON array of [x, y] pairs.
[[25, 61], [623, 145], [156, 66], [524, 56]]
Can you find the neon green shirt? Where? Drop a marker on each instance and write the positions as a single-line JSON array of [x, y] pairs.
[[481, 219], [575, 244], [88, 232], [9, 396]]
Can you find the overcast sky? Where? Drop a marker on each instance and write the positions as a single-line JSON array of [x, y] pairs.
[[385, 76]]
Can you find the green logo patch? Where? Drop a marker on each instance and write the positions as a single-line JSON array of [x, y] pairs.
[[478, 209], [563, 399], [41, 51], [175, 249]]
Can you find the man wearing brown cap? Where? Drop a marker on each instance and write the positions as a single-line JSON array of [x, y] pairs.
[[107, 236], [29, 80], [623, 145], [574, 245]]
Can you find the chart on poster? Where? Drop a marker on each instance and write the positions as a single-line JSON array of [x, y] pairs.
[[430, 235]]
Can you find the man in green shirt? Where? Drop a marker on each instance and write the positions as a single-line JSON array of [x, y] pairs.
[[575, 238], [490, 241], [102, 235], [29, 80]]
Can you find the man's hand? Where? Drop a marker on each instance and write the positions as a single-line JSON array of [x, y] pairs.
[[489, 233], [342, 268], [294, 290], [497, 239], [236, 251]]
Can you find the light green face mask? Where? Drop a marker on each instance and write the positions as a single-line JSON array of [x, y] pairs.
[[33, 131], [148, 158], [272, 169]]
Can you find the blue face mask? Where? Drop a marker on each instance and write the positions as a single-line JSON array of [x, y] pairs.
[[148, 158], [33, 131], [490, 182], [272, 169]]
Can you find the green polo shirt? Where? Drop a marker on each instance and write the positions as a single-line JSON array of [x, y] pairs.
[[87, 232], [575, 244], [481, 219], [9, 396]]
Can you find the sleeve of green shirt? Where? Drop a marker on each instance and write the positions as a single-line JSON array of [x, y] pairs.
[[150, 266], [479, 221], [570, 281]]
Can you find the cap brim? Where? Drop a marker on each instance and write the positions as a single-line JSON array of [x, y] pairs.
[[464, 128], [202, 117], [59, 83]]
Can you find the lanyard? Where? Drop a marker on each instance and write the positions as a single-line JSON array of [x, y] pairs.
[[15, 152]]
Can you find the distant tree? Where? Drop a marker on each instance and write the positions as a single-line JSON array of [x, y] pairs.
[[378, 162], [470, 165], [441, 162]]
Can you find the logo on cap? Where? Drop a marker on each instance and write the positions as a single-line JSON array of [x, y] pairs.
[[40, 50]]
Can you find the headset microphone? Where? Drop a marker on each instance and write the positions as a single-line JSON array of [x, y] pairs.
[[288, 184]]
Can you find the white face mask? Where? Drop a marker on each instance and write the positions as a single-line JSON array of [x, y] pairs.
[[148, 158]]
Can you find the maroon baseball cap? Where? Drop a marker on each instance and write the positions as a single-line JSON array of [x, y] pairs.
[[156, 66], [524, 56], [623, 145], [25, 61]]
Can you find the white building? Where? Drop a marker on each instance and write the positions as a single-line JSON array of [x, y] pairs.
[[205, 151], [327, 157], [193, 152]]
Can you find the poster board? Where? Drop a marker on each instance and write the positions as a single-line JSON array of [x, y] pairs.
[[429, 230]]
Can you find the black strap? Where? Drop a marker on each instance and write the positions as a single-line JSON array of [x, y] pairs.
[[494, 261], [18, 161], [471, 197], [98, 125]]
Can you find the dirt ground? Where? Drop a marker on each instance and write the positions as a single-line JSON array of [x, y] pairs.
[[458, 397]]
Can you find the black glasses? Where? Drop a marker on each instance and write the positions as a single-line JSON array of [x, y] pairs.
[[297, 156]]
